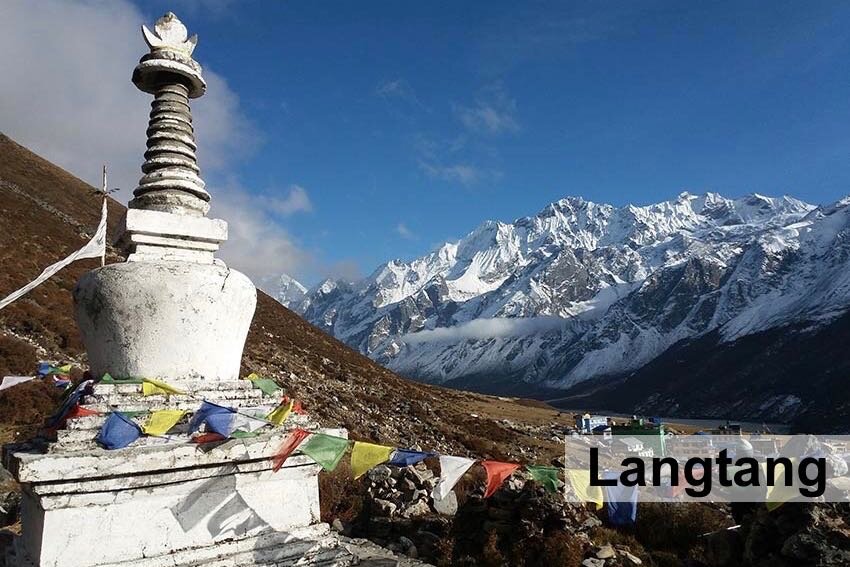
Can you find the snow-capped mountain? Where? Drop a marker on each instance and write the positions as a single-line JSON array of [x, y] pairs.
[[291, 293], [585, 291]]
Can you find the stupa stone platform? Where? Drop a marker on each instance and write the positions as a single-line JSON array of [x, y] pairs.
[[166, 500]]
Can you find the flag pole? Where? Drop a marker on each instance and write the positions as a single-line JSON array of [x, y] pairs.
[[103, 255]]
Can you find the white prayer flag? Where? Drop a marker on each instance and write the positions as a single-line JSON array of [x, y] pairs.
[[451, 469], [9, 381], [95, 248]]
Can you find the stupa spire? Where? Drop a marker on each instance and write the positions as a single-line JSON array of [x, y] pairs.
[[172, 182]]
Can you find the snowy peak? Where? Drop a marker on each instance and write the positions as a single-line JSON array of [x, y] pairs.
[[624, 284], [290, 293]]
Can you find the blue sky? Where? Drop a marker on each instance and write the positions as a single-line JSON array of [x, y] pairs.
[[406, 124]]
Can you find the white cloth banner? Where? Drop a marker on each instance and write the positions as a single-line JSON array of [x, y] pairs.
[[9, 381], [94, 249], [451, 469]]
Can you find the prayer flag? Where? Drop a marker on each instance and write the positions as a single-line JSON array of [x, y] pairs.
[[154, 387], [161, 421], [80, 411], [9, 381], [580, 481], [208, 438], [280, 413], [298, 408], [94, 248], [247, 423], [621, 501], [408, 457], [253, 376], [327, 450], [268, 386], [82, 389], [292, 441], [451, 470], [117, 432], [547, 476], [497, 472], [204, 412], [364, 456], [43, 368]]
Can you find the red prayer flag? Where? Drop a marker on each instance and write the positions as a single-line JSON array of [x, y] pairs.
[[288, 447], [298, 408], [79, 411], [497, 472], [208, 438]]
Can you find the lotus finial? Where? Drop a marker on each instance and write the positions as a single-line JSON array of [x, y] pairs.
[[170, 33]]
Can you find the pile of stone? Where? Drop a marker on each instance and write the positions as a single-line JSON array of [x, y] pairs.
[[406, 492], [796, 533]]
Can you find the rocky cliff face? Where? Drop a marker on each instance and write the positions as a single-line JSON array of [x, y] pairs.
[[583, 291]]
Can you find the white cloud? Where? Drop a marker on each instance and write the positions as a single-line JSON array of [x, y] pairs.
[[67, 95], [493, 113], [483, 329], [296, 201], [466, 174], [404, 232], [256, 244], [398, 89]]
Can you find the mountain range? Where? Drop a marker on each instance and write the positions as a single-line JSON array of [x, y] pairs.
[[698, 306]]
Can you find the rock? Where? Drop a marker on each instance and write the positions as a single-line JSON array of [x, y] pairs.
[[592, 562], [385, 507], [417, 508], [380, 474], [633, 559], [337, 525], [421, 476], [606, 552], [446, 506]]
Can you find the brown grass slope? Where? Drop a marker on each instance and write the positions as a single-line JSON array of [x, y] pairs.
[[46, 213]]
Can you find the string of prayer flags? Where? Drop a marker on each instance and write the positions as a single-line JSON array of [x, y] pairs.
[[497, 472], [292, 441], [160, 422], [364, 456], [153, 387], [451, 470], [580, 481], [546, 476], [203, 414], [118, 431], [326, 450], [408, 457], [280, 413], [621, 501]]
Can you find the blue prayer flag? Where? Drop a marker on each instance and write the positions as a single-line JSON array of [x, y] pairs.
[[215, 416], [73, 398], [621, 502], [407, 457], [118, 431]]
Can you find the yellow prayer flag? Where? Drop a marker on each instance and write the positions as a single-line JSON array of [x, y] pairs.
[[161, 421], [280, 413], [253, 376], [64, 369], [154, 387], [580, 481], [364, 456]]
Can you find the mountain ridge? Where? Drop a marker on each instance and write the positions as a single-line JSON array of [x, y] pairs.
[[582, 290]]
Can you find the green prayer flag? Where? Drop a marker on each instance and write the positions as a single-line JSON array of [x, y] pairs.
[[326, 450], [108, 379], [267, 385], [547, 476], [244, 434]]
